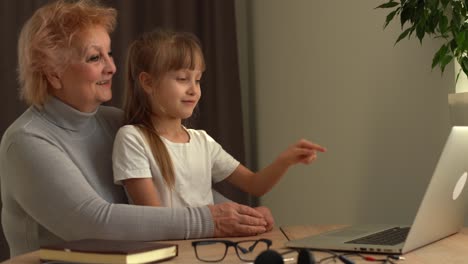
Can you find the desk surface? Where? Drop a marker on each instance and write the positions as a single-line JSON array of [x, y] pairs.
[[451, 250], [186, 252]]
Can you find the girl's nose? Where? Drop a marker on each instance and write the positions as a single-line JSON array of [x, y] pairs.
[[194, 87]]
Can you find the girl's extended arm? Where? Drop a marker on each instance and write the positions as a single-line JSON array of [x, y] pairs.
[[261, 182]]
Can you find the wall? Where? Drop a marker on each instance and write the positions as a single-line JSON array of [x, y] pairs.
[[328, 72]]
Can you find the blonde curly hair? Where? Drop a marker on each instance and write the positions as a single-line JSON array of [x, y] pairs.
[[46, 40]]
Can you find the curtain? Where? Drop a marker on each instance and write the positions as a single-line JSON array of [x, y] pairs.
[[219, 111]]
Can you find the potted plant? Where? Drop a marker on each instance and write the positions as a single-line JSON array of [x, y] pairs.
[[444, 19]]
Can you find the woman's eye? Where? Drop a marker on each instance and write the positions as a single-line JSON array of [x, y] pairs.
[[94, 58], [181, 78]]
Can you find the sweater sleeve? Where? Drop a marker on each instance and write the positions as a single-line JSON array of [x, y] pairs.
[[51, 189]]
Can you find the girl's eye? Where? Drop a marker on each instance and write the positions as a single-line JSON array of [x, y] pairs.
[[198, 81], [181, 78]]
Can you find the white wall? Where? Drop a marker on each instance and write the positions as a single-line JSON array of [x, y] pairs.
[[328, 72]]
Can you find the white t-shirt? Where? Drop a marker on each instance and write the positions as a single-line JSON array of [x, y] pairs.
[[197, 164]]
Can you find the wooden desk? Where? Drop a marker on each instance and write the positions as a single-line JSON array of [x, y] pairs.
[[186, 252], [451, 250]]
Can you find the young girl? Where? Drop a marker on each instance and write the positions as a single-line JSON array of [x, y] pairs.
[[158, 160]]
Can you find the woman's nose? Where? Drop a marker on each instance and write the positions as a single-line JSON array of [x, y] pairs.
[[109, 65]]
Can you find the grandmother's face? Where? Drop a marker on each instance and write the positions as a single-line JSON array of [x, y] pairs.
[[87, 80]]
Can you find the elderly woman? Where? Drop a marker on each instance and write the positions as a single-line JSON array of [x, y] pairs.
[[55, 160]]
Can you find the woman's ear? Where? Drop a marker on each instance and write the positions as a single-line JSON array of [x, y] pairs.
[[146, 82], [54, 80]]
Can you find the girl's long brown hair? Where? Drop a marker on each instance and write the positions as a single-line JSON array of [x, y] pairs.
[[156, 53]]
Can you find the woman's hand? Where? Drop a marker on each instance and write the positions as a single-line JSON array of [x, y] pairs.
[[233, 219], [267, 216]]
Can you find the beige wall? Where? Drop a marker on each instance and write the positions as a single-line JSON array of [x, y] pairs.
[[328, 72]]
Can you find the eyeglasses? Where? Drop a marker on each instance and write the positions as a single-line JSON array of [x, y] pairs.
[[215, 250]]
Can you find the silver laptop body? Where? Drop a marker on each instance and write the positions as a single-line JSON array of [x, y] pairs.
[[440, 214]]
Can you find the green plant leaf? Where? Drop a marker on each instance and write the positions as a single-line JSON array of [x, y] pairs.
[[444, 61], [389, 4], [464, 64], [453, 46], [460, 39], [390, 17], [464, 44], [457, 20], [420, 31], [407, 13], [443, 23], [444, 3], [419, 13], [439, 54], [446, 20], [403, 35], [432, 4], [432, 22], [458, 75]]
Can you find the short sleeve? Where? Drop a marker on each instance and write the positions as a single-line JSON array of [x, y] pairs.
[[130, 157], [223, 164]]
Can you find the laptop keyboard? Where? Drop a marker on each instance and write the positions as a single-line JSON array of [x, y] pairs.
[[389, 237]]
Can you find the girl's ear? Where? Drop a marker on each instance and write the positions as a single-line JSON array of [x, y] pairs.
[[54, 80], [146, 82]]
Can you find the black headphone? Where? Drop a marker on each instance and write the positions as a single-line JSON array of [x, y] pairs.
[[272, 257]]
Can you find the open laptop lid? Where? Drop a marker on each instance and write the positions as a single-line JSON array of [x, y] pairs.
[[444, 204], [440, 214]]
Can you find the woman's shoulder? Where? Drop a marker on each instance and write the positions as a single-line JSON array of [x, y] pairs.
[[111, 115], [27, 123]]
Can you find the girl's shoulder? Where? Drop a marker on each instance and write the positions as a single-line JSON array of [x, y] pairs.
[[197, 133], [129, 129], [129, 132]]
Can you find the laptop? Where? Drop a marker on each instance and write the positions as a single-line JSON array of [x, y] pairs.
[[440, 214]]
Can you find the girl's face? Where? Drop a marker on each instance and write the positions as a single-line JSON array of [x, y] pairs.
[[87, 81], [177, 94]]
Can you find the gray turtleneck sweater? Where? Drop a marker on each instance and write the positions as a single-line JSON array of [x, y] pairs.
[[57, 184]]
